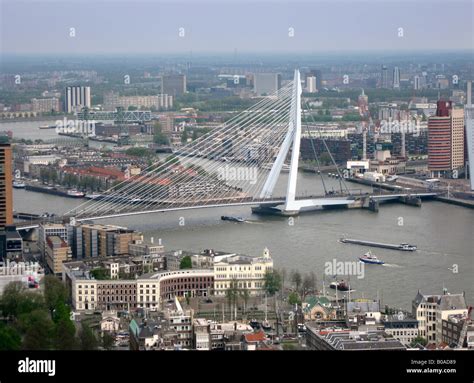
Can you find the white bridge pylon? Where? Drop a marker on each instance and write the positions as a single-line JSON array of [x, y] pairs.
[[293, 140]]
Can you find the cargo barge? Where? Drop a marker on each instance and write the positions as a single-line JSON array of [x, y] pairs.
[[401, 246]]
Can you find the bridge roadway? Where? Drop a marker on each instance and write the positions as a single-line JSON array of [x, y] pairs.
[[307, 201]]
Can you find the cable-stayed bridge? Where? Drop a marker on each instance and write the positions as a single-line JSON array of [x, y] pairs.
[[236, 164]]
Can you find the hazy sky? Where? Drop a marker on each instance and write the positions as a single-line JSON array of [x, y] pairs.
[[228, 25]]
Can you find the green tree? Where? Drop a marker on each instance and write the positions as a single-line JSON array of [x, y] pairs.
[[10, 339], [16, 300], [87, 338], [38, 330], [55, 292], [107, 341], [294, 298], [418, 340], [272, 282], [186, 263], [64, 330]]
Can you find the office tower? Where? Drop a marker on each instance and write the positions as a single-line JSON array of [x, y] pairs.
[[396, 78], [57, 252], [384, 78], [316, 73], [311, 84], [266, 83], [469, 93], [469, 116], [6, 193], [76, 98], [51, 230], [445, 139], [173, 85], [416, 83]]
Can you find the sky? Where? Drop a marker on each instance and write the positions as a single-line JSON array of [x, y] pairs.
[[206, 26]]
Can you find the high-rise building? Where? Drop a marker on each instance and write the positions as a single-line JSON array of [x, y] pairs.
[[445, 139], [57, 252], [396, 78], [6, 192], [469, 118], [319, 78], [266, 83], [384, 78], [76, 98], [416, 83], [311, 84], [173, 85]]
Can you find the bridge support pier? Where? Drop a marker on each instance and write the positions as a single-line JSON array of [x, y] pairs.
[[410, 200], [373, 205]]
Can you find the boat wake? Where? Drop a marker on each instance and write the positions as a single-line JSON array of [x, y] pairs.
[[391, 265]]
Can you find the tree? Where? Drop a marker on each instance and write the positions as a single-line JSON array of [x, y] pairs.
[[296, 279], [294, 298], [9, 338], [107, 341], [272, 282], [64, 330], [418, 340], [16, 300], [55, 292], [87, 338], [38, 329], [186, 263]]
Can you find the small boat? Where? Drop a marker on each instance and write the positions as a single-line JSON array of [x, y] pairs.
[[75, 193], [371, 259], [94, 196], [340, 286], [266, 326], [19, 185], [406, 247], [47, 127], [232, 219], [254, 324]]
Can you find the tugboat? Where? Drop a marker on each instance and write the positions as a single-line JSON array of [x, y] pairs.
[[340, 286], [232, 219], [371, 259]]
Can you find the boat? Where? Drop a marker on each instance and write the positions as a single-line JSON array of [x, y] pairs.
[[401, 246], [371, 259], [19, 185], [47, 127], [266, 326], [232, 219], [340, 286], [75, 193], [96, 196]]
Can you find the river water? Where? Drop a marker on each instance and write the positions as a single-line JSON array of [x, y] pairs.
[[443, 233]]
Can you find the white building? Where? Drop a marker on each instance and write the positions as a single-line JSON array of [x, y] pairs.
[[247, 272]]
